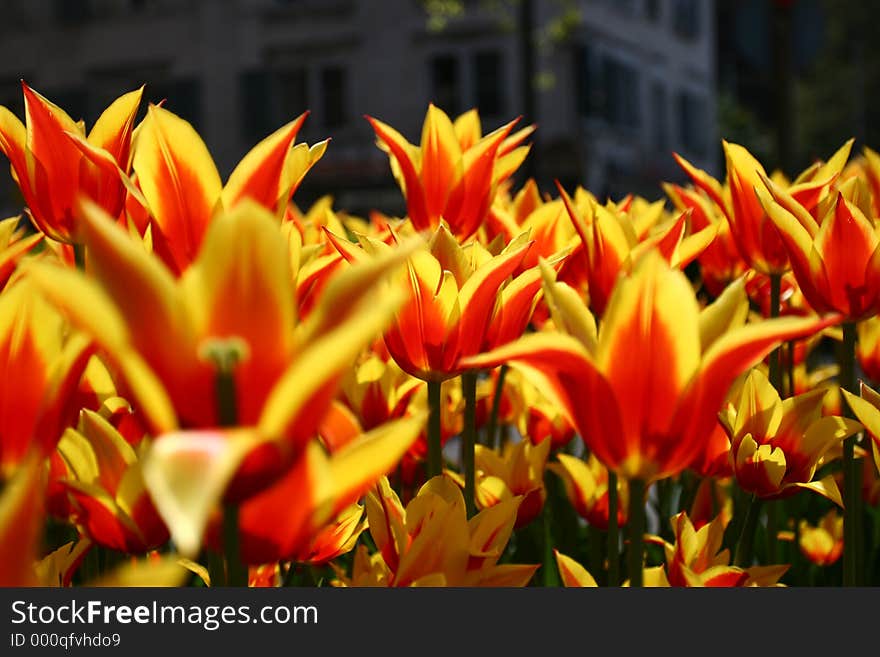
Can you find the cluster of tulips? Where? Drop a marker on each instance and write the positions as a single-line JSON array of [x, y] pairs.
[[203, 384]]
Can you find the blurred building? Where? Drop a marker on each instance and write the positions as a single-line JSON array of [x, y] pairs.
[[633, 81]]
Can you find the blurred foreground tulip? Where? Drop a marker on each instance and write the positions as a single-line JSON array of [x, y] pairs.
[[41, 362]]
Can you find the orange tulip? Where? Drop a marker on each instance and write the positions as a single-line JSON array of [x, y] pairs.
[[40, 365], [759, 243], [462, 302], [776, 445], [832, 278], [822, 544], [432, 543], [232, 315], [517, 471], [696, 559], [586, 485], [613, 240], [181, 186], [54, 162], [106, 486], [641, 421], [445, 178]]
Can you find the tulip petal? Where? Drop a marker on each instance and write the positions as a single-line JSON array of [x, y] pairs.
[[259, 175], [179, 180], [653, 312], [441, 167], [295, 406], [21, 525], [400, 149], [113, 130], [187, 474], [572, 573], [726, 359]]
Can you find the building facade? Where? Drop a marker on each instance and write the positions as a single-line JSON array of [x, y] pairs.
[[631, 82]]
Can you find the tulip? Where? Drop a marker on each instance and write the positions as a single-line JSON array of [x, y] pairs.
[[14, 245], [54, 162], [645, 423], [822, 544], [586, 485], [759, 243], [776, 445], [516, 471], [613, 241], [181, 186], [443, 179], [432, 543], [696, 559], [106, 485], [40, 365]]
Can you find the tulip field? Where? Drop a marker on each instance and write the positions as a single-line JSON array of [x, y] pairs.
[[204, 383]]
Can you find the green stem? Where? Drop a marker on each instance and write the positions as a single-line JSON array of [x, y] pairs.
[[492, 424], [469, 439], [775, 363], [771, 510], [79, 256], [435, 449], [851, 496], [550, 575], [789, 366], [613, 530], [744, 546], [225, 355], [636, 525], [236, 571]]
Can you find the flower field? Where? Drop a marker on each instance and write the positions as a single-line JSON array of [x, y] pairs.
[[204, 384]]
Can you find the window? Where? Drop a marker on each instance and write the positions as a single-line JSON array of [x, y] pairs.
[[444, 84], [692, 123], [489, 86], [620, 85], [653, 9], [584, 92], [659, 117], [333, 96], [686, 19], [271, 98], [72, 12]]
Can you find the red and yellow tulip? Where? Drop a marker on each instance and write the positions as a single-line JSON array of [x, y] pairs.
[[833, 279], [822, 544], [586, 485], [641, 421], [41, 362], [449, 176], [432, 543], [110, 502], [54, 161], [776, 445]]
